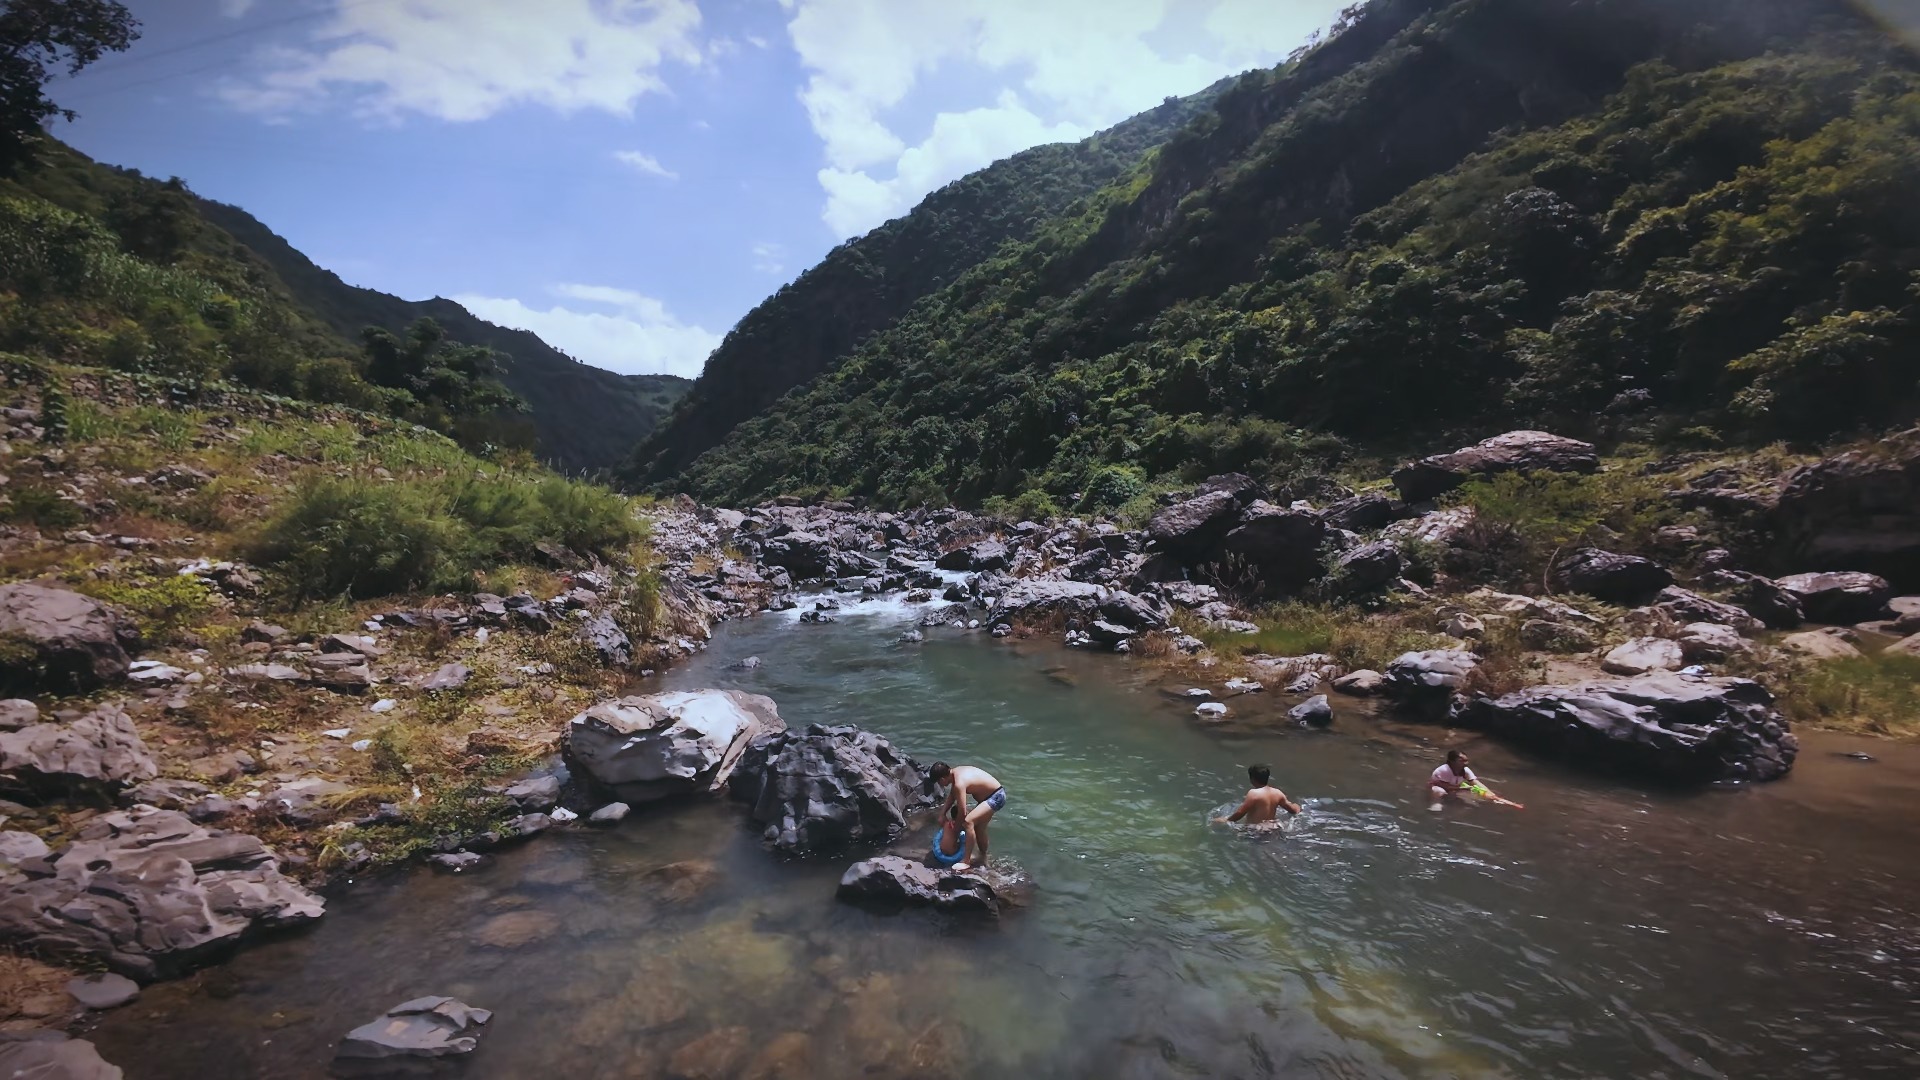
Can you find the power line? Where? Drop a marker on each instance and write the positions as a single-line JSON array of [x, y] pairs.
[[87, 93]]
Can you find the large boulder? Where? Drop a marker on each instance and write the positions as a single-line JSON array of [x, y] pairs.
[[826, 788], [1664, 726], [51, 1055], [1280, 544], [101, 750], [610, 643], [1841, 596], [980, 556], [1033, 601], [149, 894], [803, 554], [1366, 568], [59, 641], [1683, 607], [1516, 451], [890, 880], [1192, 530], [1610, 576], [1855, 511], [428, 1027], [1363, 513], [654, 746], [1429, 678]]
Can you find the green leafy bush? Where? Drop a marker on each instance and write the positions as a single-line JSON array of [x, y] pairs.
[[361, 538], [1878, 694], [160, 605], [1523, 522], [30, 504]]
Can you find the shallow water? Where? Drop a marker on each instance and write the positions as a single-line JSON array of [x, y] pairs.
[[1603, 931]]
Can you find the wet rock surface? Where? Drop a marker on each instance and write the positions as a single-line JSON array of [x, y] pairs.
[[428, 1027], [826, 788], [1660, 727], [51, 1055], [892, 881]]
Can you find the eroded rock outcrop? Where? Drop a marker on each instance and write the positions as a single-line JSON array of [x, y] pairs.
[[1663, 726], [1859, 510], [826, 788], [150, 894], [1515, 451], [428, 1027], [100, 750], [655, 746]]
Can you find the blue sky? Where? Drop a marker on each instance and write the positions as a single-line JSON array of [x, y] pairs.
[[626, 178]]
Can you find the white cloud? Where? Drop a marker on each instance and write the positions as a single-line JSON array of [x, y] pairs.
[[233, 9], [1056, 70], [465, 60], [634, 335], [645, 163], [770, 258]]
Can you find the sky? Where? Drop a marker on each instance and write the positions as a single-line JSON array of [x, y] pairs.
[[626, 178]]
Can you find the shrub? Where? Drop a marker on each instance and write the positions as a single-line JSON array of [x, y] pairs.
[[1522, 522], [1111, 485], [160, 605], [42, 507], [363, 538], [1032, 504]]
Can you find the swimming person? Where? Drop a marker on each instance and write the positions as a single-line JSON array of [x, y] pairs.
[[1262, 804], [988, 798], [1448, 779], [950, 843]]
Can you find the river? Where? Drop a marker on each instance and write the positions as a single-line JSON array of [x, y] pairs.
[[1603, 931]]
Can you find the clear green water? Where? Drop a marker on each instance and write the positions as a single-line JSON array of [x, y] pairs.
[[1603, 931]]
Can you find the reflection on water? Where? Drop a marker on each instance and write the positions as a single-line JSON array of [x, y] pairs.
[[1604, 931]]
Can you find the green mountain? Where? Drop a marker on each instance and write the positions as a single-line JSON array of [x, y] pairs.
[[1684, 222], [866, 284], [586, 417], [105, 266]]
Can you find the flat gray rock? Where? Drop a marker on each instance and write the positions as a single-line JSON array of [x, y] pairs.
[[77, 643], [428, 1027], [103, 991], [101, 748], [654, 746]]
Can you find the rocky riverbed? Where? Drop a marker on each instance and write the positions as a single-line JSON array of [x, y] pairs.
[[1637, 666]]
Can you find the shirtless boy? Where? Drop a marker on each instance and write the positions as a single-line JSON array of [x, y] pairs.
[[988, 798], [1264, 802]]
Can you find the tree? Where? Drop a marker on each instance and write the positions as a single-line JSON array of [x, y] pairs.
[[38, 37], [457, 380]]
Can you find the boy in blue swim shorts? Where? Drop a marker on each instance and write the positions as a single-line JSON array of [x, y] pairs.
[[989, 797]]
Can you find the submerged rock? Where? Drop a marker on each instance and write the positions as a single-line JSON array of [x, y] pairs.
[[828, 787], [428, 1027], [150, 894], [51, 1055], [103, 991], [1660, 726], [891, 880], [659, 745]]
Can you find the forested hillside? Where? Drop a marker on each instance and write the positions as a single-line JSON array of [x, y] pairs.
[[586, 417], [1685, 222], [104, 266], [865, 284]]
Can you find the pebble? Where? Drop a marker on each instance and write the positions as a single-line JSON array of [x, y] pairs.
[[103, 991], [384, 705], [1213, 710], [361, 744], [563, 815], [337, 733]]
